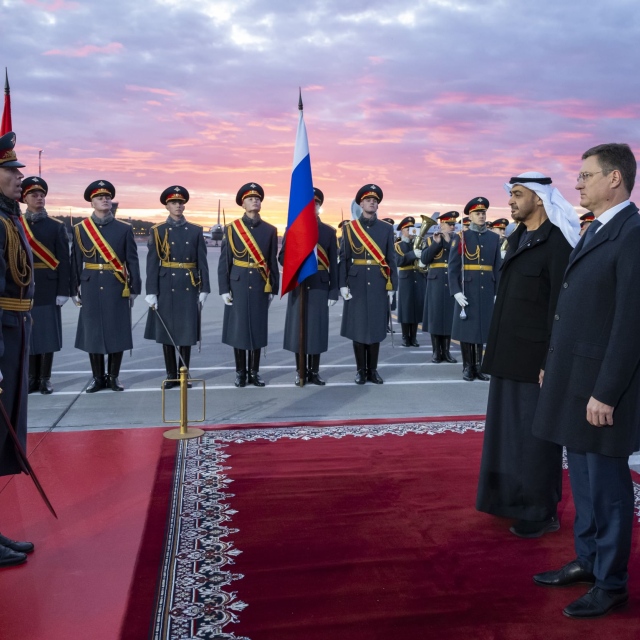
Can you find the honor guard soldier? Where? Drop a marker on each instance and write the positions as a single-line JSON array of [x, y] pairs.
[[248, 278], [439, 305], [498, 227], [16, 298], [411, 284], [466, 221], [585, 220], [106, 281], [394, 300], [322, 293], [177, 282], [368, 279], [473, 274], [52, 276]]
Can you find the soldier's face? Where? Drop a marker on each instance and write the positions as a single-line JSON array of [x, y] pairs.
[[252, 204], [405, 232], [583, 227], [318, 207], [497, 231], [478, 217], [175, 208], [101, 204], [369, 205], [10, 182], [523, 203], [35, 200]]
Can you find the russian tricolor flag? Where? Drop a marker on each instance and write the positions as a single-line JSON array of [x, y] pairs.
[[300, 259]]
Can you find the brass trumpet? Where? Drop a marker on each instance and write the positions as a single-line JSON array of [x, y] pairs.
[[419, 240]]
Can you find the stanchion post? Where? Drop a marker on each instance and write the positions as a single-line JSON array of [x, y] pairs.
[[184, 432]]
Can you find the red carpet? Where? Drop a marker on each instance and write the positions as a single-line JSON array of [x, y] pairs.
[[312, 534]]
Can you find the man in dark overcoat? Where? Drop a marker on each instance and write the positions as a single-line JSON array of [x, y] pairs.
[[248, 278], [16, 298], [473, 281], [590, 396], [411, 285], [105, 282], [439, 304], [521, 475], [52, 275], [368, 278], [322, 293], [177, 282]]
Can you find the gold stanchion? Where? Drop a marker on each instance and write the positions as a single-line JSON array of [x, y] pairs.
[[184, 432]]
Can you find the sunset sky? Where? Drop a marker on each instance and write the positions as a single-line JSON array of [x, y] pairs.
[[437, 101]]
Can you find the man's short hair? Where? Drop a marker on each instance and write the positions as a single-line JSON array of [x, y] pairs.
[[614, 156]]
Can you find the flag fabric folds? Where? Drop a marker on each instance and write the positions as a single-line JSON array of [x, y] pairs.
[[300, 259], [6, 126]]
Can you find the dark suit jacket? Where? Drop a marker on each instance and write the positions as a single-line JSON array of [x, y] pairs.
[[530, 281], [595, 344]]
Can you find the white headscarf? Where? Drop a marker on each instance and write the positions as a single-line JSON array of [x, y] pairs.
[[560, 211]]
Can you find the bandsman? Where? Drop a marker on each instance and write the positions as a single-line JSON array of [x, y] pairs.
[[411, 285], [368, 279], [248, 278], [52, 272], [498, 227], [585, 220], [473, 280], [105, 282], [322, 293], [177, 282], [466, 221], [438, 307]]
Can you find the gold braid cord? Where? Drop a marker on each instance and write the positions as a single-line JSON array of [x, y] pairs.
[[88, 253], [236, 254], [470, 256], [355, 249], [17, 257], [162, 246]]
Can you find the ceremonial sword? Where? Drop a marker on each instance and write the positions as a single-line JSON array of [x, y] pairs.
[[173, 342]]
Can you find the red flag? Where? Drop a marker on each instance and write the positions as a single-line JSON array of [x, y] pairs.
[[6, 126]]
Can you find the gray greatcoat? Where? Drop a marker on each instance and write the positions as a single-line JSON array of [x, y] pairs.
[[437, 316], [411, 285], [15, 330], [321, 287], [104, 325], [174, 286], [595, 344], [46, 335], [480, 286], [364, 316], [246, 322]]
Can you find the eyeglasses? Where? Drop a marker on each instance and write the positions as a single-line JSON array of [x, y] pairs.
[[583, 176]]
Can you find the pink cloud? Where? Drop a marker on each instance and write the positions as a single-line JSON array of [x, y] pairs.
[[86, 50], [160, 92], [52, 7]]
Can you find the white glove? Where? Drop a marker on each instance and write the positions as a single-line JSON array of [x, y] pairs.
[[77, 301], [345, 293], [60, 300], [270, 297], [132, 298], [421, 264], [390, 294], [151, 300], [331, 302], [202, 298], [227, 298], [1, 376], [461, 299]]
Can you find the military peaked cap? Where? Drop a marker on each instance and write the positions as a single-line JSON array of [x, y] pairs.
[[33, 183], [477, 204], [99, 188], [8, 156], [318, 195], [407, 222], [450, 216], [369, 191], [500, 223], [247, 190], [174, 193]]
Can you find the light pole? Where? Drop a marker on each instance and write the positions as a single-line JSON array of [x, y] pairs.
[[40, 162]]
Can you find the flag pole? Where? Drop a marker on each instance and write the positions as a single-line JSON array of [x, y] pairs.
[[302, 358]]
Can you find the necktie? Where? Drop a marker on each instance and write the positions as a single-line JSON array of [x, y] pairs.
[[591, 232]]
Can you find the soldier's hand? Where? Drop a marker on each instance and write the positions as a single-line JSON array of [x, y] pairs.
[[461, 299], [331, 302], [60, 300], [599, 414], [390, 294], [345, 293], [437, 237], [1, 376], [77, 301], [227, 298], [151, 300], [541, 377], [421, 264], [132, 298], [202, 298]]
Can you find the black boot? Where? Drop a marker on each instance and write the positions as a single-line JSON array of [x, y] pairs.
[[241, 367], [414, 335], [406, 334], [360, 352], [185, 352], [445, 351], [254, 367], [34, 373], [372, 363], [97, 370], [45, 373], [477, 364], [171, 365], [304, 373], [314, 370], [435, 345], [467, 361], [113, 371]]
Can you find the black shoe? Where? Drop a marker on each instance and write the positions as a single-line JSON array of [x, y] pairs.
[[45, 386], [114, 384], [19, 547], [596, 603], [467, 374], [255, 379], [406, 342], [570, 574], [361, 376], [241, 379], [446, 347], [34, 385], [535, 528], [96, 385], [374, 376], [414, 343], [10, 558], [170, 384], [436, 358], [314, 378]]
